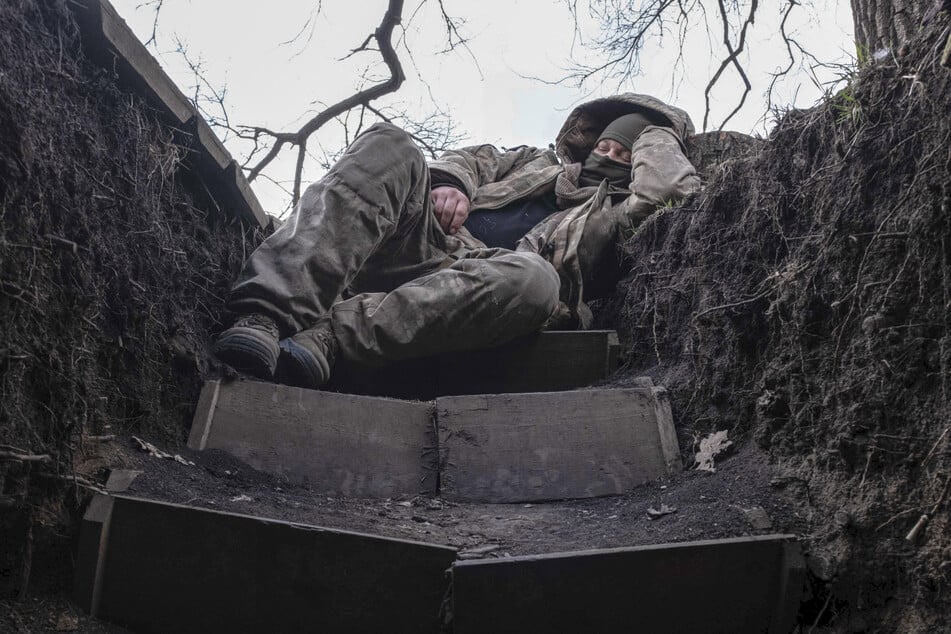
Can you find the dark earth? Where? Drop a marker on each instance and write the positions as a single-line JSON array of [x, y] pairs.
[[801, 302]]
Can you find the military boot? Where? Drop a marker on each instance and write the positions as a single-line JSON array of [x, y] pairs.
[[306, 358], [250, 345]]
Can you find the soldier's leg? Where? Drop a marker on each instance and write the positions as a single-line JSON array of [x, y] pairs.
[[482, 300], [374, 204]]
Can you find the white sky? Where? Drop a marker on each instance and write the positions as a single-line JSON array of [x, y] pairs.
[[239, 44]]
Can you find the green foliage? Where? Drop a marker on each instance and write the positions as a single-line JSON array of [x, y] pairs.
[[846, 105]]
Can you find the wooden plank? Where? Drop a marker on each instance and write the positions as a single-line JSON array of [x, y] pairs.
[[217, 157], [543, 362], [238, 185], [116, 47], [545, 446], [614, 352], [204, 413], [668, 434], [172, 568], [791, 582], [339, 444], [729, 585], [91, 553], [121, 479], [140, 67]]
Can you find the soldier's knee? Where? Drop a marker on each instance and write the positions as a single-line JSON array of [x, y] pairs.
[[533, 280], [393, 140]]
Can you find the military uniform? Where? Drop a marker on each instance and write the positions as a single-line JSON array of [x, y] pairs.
[[364, 247]]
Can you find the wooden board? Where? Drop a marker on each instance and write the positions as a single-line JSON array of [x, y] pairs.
[[338, 444], [108, 29], [545, 446], [93, 540], [543, 362], [171, 568], [732, 586], [117, 48]]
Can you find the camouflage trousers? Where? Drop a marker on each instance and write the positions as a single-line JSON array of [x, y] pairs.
[[364, 246]]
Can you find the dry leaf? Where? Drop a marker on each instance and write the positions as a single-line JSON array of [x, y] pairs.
[[152, 450], [653, 513], [710, 447]]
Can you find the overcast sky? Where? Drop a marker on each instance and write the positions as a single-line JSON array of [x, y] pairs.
[[280, 60]]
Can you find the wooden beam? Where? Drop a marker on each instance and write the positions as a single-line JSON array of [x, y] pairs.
[[543, 362], [545, 446], [172, 568], [748, 584], [91, 553], [338, 444], [668, 433]]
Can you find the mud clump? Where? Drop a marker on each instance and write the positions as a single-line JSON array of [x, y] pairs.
[[114, 262], [801, 301]]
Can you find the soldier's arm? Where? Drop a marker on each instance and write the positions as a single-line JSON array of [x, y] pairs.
[[661, 174], [471, 167]]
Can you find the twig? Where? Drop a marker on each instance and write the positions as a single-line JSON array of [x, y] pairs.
[[105, 438], [383, 36], [25, 457], [78, 479], [821, 612], [734, 304], [923, 520], [934, 447], [893, 518], [54, 238]]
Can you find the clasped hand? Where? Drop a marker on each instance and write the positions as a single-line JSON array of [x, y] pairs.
[[450, 206]]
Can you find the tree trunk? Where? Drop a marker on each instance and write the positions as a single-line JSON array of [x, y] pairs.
[[886, 24]]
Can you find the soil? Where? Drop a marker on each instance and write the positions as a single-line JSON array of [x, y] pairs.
[[802, 301], [709, 506], [114, 260]]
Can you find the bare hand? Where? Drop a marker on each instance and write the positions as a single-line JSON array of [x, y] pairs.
[[450, 206]]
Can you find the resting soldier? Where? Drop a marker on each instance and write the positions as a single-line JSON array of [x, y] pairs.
[[388, 258]]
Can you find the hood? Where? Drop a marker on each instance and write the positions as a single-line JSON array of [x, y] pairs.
[[586, 122]]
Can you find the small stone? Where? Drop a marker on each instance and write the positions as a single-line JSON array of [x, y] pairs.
[[842, 519], [758, 519]]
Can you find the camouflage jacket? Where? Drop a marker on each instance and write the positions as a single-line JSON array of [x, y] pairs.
[[591, 220]]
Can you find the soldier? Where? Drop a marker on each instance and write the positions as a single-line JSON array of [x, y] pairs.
[[388, 258]]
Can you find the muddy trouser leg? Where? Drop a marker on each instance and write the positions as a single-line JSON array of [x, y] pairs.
[[370, 215], [483, 299]]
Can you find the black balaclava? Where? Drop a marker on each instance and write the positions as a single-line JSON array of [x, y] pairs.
[[596, 168]]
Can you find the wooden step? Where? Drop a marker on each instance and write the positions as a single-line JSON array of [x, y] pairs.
[[497, 448], [553, 445], [748, 584], [543, 362], [358, 446], [156, 567]]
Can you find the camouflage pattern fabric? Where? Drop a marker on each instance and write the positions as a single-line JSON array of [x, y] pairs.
[[594, 220], [367, 231]]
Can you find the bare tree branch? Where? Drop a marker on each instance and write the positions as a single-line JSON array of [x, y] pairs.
[[731, 59], [383, 36], [157, 9]]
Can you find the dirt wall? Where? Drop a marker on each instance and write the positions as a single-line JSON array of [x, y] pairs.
[[802, 302], [114, 262]]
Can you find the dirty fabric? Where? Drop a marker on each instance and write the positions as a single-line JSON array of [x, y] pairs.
[[364, 245], [581, 241], [367, 229]]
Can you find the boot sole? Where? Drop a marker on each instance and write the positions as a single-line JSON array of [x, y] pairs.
[[299, 367], [247, 354]]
